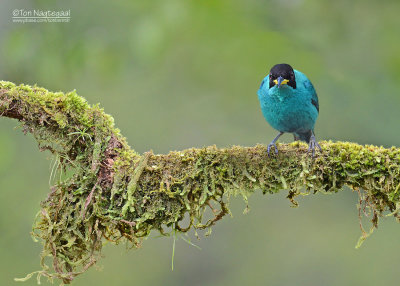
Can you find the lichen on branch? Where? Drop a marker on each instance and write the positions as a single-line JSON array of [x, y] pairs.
[[112, 193]]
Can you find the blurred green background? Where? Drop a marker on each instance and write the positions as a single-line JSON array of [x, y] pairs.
[[183, 73]]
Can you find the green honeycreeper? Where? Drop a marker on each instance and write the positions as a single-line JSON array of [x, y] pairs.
[[289, 103]]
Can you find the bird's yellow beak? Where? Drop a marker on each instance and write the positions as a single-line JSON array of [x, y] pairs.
[[285, 81]]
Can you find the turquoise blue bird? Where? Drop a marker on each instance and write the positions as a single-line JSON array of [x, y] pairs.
[[289, 103]]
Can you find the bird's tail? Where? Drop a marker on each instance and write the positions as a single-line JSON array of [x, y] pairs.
[[303, 136]]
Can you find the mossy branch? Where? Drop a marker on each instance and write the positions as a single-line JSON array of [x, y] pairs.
[[113, 193]]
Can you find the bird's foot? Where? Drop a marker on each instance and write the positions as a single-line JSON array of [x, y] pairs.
[[272, 144], [313, 143]]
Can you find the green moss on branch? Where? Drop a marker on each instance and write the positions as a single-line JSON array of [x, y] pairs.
[[116, 194]]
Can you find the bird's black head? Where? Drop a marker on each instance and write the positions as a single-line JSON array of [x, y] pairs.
[[282, 74]]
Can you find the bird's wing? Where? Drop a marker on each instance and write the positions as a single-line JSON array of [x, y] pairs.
[[263, 90], [310, 88]]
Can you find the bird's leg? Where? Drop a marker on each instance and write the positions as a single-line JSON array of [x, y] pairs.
[[273, 143], [312, 144]]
